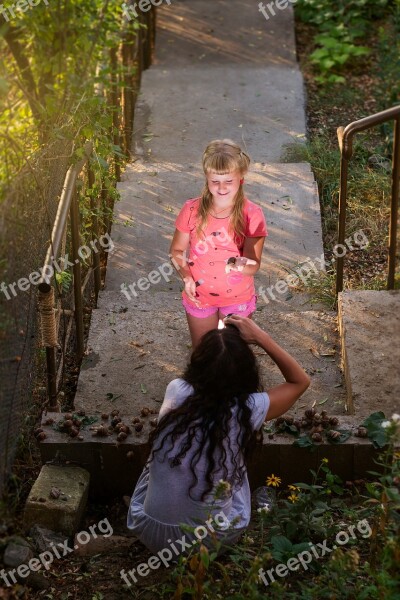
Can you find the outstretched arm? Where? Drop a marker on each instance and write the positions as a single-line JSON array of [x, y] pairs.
[[252, 249], [178, 254], [283, 396]]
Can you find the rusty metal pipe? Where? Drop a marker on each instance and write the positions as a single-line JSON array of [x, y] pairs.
[[62, 214], [342, 220], [78, 304], [345, 139], [394, 206], [95, 234]]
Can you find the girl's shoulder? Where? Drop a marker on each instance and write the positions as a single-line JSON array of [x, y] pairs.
[[178, 389], [256, 225], [186, 218], [192, 203], [259, 403], [250, 207]]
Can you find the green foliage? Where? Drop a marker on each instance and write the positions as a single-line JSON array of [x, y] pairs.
[[69, 87], [335, 50], [365, 567], [339, 28], [376, 433], [64, 280]]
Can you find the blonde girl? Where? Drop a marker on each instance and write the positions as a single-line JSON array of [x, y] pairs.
[[218, 242]]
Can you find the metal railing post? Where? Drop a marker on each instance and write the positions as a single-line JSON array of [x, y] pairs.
[[344, 163], [95, 235], [115, 103], [345, 137], [78, 303], [394, 206]]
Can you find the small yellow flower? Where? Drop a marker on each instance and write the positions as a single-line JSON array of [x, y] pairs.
[[273, 480], [293, 497], [325, 460], [294, 488]]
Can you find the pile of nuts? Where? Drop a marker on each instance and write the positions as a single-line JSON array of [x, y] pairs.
[[122, 429], [317, 423], [71, 424]]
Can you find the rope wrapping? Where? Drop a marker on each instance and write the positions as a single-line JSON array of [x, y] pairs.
[[48, 325]]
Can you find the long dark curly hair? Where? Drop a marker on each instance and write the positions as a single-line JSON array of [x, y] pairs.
[[223, 372]]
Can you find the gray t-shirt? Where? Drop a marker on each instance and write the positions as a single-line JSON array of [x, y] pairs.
[[161, 500]]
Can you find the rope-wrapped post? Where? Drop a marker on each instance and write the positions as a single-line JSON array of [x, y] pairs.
[[48, 329]]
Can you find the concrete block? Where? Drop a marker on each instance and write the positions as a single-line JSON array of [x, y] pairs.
[[370, 332], [64, 513]]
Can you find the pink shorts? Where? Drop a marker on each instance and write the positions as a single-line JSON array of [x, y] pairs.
[[244, 310]]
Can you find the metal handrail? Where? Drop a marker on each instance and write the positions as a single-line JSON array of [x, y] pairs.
[[68, 206], [63, 210], [345, 137], [134, 49]]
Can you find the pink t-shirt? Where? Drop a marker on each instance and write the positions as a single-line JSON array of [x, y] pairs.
[[208, 256]]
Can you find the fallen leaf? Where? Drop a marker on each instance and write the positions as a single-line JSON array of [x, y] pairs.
[[315, 352], [323, 401]]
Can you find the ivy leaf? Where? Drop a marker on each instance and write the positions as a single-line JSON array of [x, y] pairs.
[[304, 441], [375, 432]]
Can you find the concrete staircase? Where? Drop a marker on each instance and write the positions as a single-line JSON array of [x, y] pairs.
[[207, 83]]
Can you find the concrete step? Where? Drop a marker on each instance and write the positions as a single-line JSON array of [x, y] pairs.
[[370, 335], [205, 32], [152, 195], [115, 467], [136, 348], [260, 107]]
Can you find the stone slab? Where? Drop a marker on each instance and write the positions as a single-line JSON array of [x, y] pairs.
[[260, 108], [228, 31], [114, 468], [135, 349], [370, 336], [152, 195], [65, 513]]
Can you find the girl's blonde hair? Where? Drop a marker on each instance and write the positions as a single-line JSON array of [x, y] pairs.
[[223, 157]]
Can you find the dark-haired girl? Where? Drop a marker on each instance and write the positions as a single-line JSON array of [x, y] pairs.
[[205, 432]]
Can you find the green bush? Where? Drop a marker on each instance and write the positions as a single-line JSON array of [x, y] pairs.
[[339, 28]]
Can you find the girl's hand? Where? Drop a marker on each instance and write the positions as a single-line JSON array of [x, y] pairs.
[[237, 263], [249, 330], [190, 289]]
